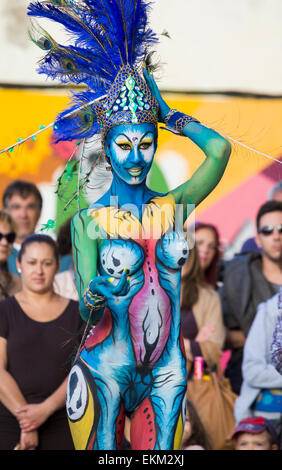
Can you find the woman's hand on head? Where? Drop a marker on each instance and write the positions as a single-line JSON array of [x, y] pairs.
[[163, 107]]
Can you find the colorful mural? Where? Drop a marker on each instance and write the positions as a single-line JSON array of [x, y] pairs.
[[232, 206]]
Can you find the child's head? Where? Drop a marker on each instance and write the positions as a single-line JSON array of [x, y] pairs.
[[255, 434], [194, 432]]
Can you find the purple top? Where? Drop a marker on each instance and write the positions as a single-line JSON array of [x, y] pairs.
[[190, 331]]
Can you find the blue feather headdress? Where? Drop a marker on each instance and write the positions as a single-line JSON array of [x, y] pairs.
[[110, 40]]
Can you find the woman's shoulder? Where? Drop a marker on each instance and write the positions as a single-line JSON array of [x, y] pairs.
[[208, 292], [8, 307], [7, 316], [7, 303], [72, 306], [72, 314], [69, 303], [208, 303]]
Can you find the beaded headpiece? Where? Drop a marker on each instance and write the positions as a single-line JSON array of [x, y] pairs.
[[129, 100], [110, 42]]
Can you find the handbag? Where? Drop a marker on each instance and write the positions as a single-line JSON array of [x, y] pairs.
[[214, 399]]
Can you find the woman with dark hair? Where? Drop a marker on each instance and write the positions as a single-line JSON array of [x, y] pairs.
[[38, 332], [195, 436], [201, 314], [208, 247]]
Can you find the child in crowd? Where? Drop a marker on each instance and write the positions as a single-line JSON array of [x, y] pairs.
[[255, 434], [195, 437]]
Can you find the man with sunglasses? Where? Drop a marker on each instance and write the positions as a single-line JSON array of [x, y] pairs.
[[249, 279], [23, 201], [275, 194]]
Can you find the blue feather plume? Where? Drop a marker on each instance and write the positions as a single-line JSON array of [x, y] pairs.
[[105, 35], [80, 124]]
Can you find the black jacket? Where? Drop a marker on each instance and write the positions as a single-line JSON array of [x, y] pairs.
[[244, 288]]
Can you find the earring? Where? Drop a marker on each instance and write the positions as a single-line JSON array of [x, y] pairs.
[[108, 161], [19, 270]]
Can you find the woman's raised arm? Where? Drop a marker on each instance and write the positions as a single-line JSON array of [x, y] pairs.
[[215, 147], [217, 151]]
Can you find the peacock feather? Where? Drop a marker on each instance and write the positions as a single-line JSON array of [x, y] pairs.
[[104, 36]]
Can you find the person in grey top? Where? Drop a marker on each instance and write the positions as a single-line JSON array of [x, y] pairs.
[[276, 346], [261, 391]]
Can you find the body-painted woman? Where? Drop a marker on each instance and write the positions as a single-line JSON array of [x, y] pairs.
[[128, 250], [133, 360]]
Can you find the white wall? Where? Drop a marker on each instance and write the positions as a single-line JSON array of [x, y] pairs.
[[215, 45]]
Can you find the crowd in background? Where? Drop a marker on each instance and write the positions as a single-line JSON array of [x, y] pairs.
[[232, 306]]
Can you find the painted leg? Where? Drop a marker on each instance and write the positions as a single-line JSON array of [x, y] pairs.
[[157, 424], [169, 401], [95, 410]]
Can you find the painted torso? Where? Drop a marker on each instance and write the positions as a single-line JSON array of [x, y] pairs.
[[146, 321]]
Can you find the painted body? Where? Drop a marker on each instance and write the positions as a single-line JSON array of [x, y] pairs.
[[130, 245]]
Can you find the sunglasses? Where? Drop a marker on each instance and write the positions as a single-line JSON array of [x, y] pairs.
[[269, 229], [10, 237]]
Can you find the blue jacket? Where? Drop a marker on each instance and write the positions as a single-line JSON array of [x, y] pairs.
[[12, 262]]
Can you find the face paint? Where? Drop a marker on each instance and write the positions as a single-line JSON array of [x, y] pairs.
[[131, 149]]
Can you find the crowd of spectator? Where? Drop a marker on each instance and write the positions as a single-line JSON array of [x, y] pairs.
[[40, 326]]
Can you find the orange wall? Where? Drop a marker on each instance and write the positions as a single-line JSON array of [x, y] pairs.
[[256, 122]]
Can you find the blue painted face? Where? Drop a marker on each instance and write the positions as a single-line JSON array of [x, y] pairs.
[[131, 149]]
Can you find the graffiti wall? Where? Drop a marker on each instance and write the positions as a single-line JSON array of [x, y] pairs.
[[233, 204]]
